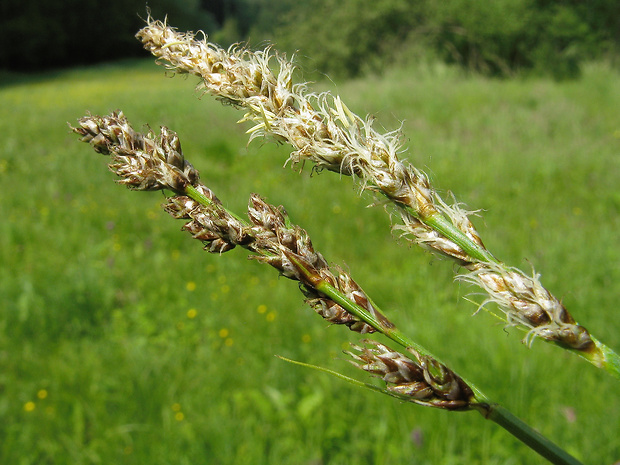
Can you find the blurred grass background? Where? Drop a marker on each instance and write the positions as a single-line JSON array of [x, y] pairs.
[[122, 342]]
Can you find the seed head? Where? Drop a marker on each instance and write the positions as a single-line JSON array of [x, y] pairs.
[[526, 303], [321, 128], [142, 161], [422, 379]]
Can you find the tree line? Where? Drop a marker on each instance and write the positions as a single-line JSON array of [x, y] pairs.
[[338, 37]]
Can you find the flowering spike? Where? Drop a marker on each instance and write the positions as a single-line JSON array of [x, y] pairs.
[[421, 379], [324, 131], [149, 162]]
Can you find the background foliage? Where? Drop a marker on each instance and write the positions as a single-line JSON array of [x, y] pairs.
[[337, 37], [38, 35], [122, 342]]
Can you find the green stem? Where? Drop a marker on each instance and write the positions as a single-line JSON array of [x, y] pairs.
[[600, 355], [199, 197], [529, 436], [392, 333], [191, 192], [443, 225], [491, 411], [609, 360]]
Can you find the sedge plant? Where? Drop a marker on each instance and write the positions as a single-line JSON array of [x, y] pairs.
[[149, 162], [325, 133]]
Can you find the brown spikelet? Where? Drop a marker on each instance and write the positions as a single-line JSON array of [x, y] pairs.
[[421, 379]]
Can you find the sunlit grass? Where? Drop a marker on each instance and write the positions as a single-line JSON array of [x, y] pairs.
[[122, 342]]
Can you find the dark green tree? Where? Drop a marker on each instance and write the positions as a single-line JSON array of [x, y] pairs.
[[36, 35]]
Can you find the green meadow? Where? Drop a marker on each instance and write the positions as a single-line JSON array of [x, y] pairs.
[[122, 342]]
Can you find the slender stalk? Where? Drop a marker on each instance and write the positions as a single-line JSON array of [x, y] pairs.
[[491, 411], [442, 224], [595, 351], [199, 197], [610, 360], [529, 436], [496, 413], [202, 199], [348, 379]]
